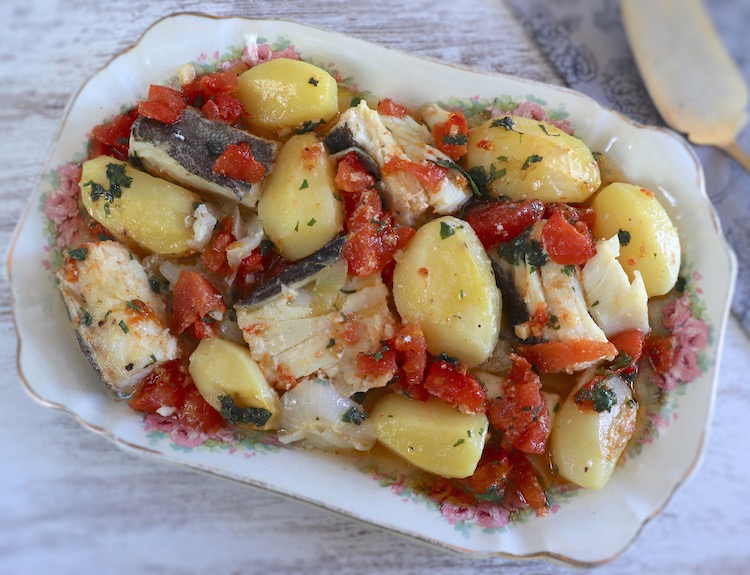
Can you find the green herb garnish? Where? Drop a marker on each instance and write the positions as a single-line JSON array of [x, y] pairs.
[[532, 159], [257, 416], [354, 415]]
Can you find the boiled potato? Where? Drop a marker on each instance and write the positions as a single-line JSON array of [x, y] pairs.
[[231, 382], [153, 213], [432, 435], [298, 207], [648, 238], [444, 281], [585, 444], [283, 94], [523, 158]]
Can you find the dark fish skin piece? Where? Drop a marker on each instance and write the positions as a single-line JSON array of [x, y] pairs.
[[515, 308], [194, 142], [296, 275], [342, 138]]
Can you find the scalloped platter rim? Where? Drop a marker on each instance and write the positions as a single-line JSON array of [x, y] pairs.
[[584, 528]]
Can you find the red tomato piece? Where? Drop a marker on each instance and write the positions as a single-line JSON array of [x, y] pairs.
[[452, 136], [558, 356], [629, 342], [490, 478], [368, 209], [197, 414], [194, 297], [524, 478], [369, 250], [214, 257], [379, 364], [565, 243], [456, 386], [388, 107], [219, 83], [113, 139], [193, 93], [351, 175], [521, 414], [412, 351], [430, 174], [661, 352], [237, 162], [164, 386], [501, 221], [222, 108], [163, 105], [247, 276]]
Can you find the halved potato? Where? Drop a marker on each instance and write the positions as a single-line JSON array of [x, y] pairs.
[[432, 435]]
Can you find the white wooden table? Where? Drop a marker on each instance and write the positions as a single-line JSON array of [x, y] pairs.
[[71, 502]]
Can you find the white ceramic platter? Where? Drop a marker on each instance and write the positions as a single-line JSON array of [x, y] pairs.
[[583, 527]]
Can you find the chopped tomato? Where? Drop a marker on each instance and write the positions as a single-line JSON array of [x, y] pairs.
[[113, 138], [490, 478], [524, 478], [574, 215], [388, 107], [451, 382], [452, 135], [169, 386], [565, 243], [558, 356], [661, 352], [246, 277], [521, 414], [196, 413], [351, 175], [162, 387], [371, 248], [367, 208], [237, 162], [164, 105], [430, 174], [629, 342], [222, 108], [194, 298], [501, 221], [379, 364], [219, 83], [214, 257], [193, 92], [412, 351]]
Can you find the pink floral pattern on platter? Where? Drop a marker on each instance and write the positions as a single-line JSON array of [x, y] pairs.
[[534, 111], [61, 206]]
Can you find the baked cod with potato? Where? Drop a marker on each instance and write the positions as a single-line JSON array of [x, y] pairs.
[[343, 272]]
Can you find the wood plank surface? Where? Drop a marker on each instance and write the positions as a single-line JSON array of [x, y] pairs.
[[71, 502]]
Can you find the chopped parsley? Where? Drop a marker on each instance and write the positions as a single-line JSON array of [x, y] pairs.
[[266, 246], [257, 416], [304, 185], [124, 327], [523, 248], [504, 122], [553, 322], [78, 254], [135, 304], [106, 210], [544, 129], [532, 159], [451, 165], [117, 177], [354, 415], [569, 269], [459, 442], [601, 396], [622, 360], [483, 178], [502, 158], [461, 294], [446, 231], [296, 226], [312, 222], [308, 126], [215, 148], [313, 80], [624, 237], [447, 358], [152, 362], [86, 318], [378, 355], [455, 140], [355, 101], [331, 343]]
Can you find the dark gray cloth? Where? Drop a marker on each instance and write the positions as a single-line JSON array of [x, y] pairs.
[[586, 42]]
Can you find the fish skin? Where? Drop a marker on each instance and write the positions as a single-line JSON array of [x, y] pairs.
[[181, 152], [104, 291]]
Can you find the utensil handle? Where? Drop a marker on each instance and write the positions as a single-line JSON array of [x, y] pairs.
[[742, 157]]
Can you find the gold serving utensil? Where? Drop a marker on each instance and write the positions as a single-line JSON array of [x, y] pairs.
[[690, 76]]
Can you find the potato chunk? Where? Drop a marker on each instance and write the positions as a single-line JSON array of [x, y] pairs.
[[523, 158], [444, 281], [283, 94], [230, 381], [433, 435], [586, 443], [298, 206], [138, 208], [648, 238]]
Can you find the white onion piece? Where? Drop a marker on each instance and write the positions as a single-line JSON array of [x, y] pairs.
[[313, 412], [203, 226], [170, 270], [328, 284], [250, 238]]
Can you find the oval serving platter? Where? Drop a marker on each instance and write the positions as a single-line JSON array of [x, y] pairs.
[[582, 527]]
